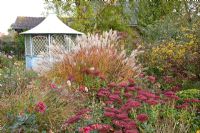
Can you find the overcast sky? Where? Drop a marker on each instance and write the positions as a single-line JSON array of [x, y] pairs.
[[10, 9]]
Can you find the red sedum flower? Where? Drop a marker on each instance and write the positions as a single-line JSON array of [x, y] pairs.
[[53, 86], [142, 117], [123, 84], [132, 131], [40, 107], [182, 106], [152, 79], [141, 75], [72, 120], [152, 102], [112, 84]]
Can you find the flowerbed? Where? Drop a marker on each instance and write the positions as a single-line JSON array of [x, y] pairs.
[[98, 89], [128, 108]]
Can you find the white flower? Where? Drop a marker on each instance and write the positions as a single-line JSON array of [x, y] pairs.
[[69, 83], [1, 85], [10, 57], [92, 68], [86, 89]]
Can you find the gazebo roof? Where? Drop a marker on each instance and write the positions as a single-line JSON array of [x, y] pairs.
[[52, 25]]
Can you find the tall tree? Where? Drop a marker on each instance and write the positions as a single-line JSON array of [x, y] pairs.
[[92, 15]]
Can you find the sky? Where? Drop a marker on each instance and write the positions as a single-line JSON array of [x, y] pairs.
[[10, 9]]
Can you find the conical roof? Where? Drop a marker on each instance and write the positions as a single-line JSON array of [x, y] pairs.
[[52, 25]]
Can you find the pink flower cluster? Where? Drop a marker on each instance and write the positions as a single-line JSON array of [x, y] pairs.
[[103, 128], [76, 117], [94, 72], [53, 86], [187, 103], [152, 79], [142, 117], [171, 95], [168, 79], [40, 107], [123, 97]]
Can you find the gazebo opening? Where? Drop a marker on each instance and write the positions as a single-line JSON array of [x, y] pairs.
[[50, 32]]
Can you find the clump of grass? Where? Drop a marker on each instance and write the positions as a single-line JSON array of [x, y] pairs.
[[101, 52]]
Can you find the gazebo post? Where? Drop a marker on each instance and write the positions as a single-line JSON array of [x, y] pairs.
[[31, 44], [31, 47], [49, 40]]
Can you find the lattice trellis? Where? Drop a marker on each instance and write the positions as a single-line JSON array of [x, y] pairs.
[[39, 44], [70, 43], [57, 40], [62, 40]]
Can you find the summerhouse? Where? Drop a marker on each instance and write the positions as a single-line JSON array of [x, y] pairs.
[[51, 31]]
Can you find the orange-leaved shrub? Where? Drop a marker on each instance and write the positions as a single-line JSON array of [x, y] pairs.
[[101, 53]]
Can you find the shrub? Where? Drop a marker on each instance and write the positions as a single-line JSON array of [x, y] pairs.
[[175, 58], [14, 77], [4, 61], [190, 93], [190, 84], [168, 58]]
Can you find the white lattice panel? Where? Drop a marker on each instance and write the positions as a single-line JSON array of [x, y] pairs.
[[62, 41], [39, 44], [57, 40], [69, 43]]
